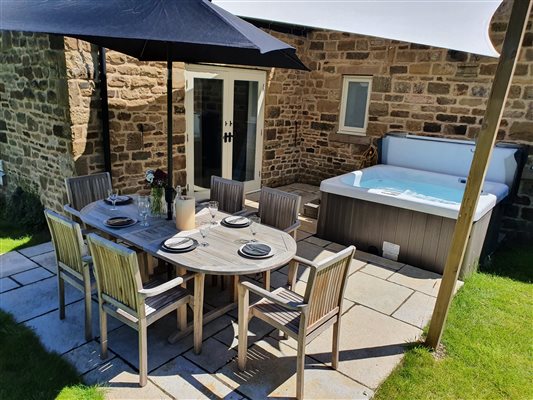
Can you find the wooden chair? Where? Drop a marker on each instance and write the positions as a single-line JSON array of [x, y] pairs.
[[73, 263], [122, 295], [228, 193], [302, 318], [83, 190], [279, 210]]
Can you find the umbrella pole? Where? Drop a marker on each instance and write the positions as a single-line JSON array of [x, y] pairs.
[[169, 189]]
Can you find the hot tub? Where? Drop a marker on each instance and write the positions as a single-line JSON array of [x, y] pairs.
[[412, 199]]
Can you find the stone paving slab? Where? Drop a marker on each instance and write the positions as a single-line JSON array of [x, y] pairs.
[[377, 271], [121, 382], [36, 250], [271, 373], [335, 247], [13, 263], [35, 299], [376, 293], [418, 279], [7, 284], [417, 310], [317, 241], [377, 260], [87, 357], [32, 275], [257, 329], [371, 345], [214, 355], [64, 335], [183, 380], [124, 340], [301, 235], [47, 260]]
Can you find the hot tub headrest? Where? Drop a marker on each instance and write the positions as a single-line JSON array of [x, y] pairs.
[[446, 156]]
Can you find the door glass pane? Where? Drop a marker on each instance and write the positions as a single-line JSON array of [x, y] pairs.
[[356, 99], [208, 95], [244, 130]]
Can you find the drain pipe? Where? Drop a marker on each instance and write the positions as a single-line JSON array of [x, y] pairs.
[[104, 105]]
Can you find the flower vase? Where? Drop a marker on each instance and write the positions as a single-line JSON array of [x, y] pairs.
[[156, 203]]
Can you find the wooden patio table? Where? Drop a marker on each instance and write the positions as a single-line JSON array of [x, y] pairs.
[[219, 258]]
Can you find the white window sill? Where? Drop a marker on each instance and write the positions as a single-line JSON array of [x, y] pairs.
[[351, 133]]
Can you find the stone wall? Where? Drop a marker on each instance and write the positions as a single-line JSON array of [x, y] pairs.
[[138, 120], [35, 141]]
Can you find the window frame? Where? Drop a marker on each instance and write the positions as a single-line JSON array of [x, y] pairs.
[[350, 130]]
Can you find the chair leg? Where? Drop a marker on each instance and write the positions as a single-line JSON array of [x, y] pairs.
[[61, 295], [143, 353], [266, 280], [335, 346], [244, 300], [103, 332], [88, 311], [300, 368]]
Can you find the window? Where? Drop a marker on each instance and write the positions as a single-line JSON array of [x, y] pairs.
[[354, 104]]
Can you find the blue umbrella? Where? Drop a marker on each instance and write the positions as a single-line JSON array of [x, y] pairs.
[[154, 30]]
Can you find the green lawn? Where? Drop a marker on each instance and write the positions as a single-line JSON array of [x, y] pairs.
[[28, 371], [14, 238], [488, 340]]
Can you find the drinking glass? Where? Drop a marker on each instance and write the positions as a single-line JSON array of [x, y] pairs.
[[143, 206], [112, 195], [213, 208], [204, 231], [254, 225]]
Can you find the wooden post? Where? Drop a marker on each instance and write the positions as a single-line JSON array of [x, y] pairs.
[[485, 143]]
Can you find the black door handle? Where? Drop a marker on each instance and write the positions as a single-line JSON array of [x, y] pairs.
[[227, 137]]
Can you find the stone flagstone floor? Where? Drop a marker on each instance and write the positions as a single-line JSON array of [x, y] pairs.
[[386, 305]]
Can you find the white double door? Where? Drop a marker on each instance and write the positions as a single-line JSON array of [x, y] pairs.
[[224, 124]]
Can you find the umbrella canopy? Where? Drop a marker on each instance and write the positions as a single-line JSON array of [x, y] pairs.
[[153, 30]]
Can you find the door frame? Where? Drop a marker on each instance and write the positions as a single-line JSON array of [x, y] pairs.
[[228, 75]]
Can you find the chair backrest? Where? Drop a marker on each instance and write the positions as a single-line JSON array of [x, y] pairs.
[[118, 278], [83, 190], [277, 208], [228, 193], [68, 242], [326, 284]]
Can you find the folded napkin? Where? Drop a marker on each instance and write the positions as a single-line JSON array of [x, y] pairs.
[[236, 220], [119, 221], [178, 243], [256, 249]]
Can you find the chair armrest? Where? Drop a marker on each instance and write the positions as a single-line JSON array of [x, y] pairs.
[[161, 288], [293, 227], [290, 305], [301, 260], [250, 213], [242, 212], [71, 210]]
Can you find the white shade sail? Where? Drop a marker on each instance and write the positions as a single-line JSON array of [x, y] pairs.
[[452, 24]]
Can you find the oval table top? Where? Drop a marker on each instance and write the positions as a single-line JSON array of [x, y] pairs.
[[219, 258]]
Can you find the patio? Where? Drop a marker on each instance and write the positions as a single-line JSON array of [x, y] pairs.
[[386, 305]]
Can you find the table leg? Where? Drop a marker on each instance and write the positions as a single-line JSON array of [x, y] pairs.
[[182, 311], [199, 280], [235, 288]]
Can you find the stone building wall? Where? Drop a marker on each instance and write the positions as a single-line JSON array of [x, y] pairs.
[[138, 120], [35, 141]]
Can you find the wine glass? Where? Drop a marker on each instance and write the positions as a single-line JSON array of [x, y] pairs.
[[112, 195], [254, 225], [143, 206], [213, 208], [204, 231]]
